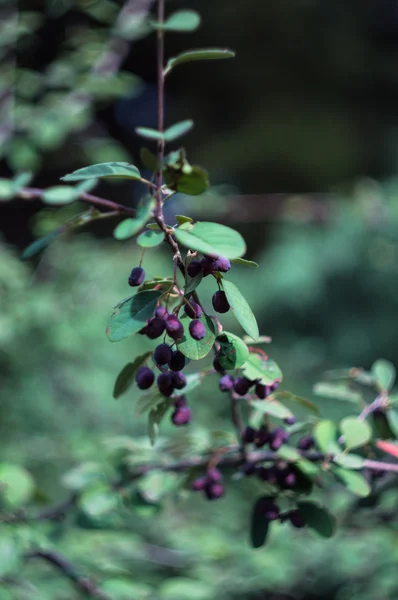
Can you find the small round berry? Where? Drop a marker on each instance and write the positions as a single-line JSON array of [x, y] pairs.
[[137, 276], [181, 416], [275, 442], [216, 364], [274, 386], [262, 391], [226, 383], [174, 327], [249, 435], [290, 480], [249, 468], [220, 302], [197, 329], [262, 436], [179, 380], [162, 354], [306, 443], [214, 491], [222, 264], [165, 384], [242, 385], [144, 378], [177, 362], [296, 519], [208, 266], [194, 268], [193, 310], [161, 312], [180, 402], [269, 509], [199, 484], [155, 328], [290, 421], [214, 475]]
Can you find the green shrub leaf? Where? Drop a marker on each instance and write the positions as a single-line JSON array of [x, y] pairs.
[[259, 525], [249, 264], [149, 134], [354, 482], [241, 309], [179, 129], [384, 374], [60, 194], [129, 227], [337, 391], [349, 461], [16, 485], [271, 407], [149, 160], [266, 371], [325, 434], [317, 518], [202, 54], [150, 239], [212, 239], [125, 379], [131, 315], [181, 20], [356, 433], [196, 349], [233, 351], [108, 169], [38, 245], [190, 180]]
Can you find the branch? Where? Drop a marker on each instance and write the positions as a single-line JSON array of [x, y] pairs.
[[379, 402], [36, 193]]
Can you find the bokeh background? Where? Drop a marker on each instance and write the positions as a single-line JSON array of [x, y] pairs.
[[299, 134]]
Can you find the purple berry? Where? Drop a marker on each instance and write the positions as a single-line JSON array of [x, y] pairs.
[[155, 328], [262, 391], [180, 402], [197, 329], [222, 264], [208, 265], [296, 519], [269, 509], [306, 443], [137, 276], [199, 484], [165, 384], [174, 327], [193, 310], [277, 438], [145, 378], [290, 480], [262, 437], [226, 383], [214, 491], [181, 416], [177, 362], [274, 386], [214, 475], [162, 354], [179, 380], [249, 468], [249, 435], [242, 386], [220, 302], [161, 312], [194, 268], [290, 420]]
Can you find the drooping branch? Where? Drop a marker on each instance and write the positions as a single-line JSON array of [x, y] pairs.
[[37, 194]]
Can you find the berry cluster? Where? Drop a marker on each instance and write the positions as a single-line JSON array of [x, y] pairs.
[[242, 385], [210, 484], [267, 508], [208, 266]]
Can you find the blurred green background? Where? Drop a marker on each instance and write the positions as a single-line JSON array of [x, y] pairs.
[[299, 134]]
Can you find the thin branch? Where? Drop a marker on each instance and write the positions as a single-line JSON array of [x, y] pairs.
[[379, 402], [36, 193], [161, 143], [376, 465]]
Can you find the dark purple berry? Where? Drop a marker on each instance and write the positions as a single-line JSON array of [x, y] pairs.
[[262, 436], [145, 378], [274, 386], [162, 354], [214, 475], [222, 264], [208, 265], [165, 384], [216, 364], [193, 310], [199, 484], [197, 329], [194, 268], [249, 435], [277, 438], [290, 420], [214, 491], [306, 443], [174, 327], [290, 480], [226, 383], [179, 380], [249, 468], [263, 473], [181, 416], [269, 509], [177, 362], [180, 402], [262, 391], [242, 386], [220, 302], [137, 276], [155, 328], [161, 312], [296, 519]]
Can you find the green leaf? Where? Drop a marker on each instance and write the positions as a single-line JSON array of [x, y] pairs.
[[38, 245], [83, 475], [233, 351], [354, 482], [384, 374], [259, 525], [349, 461], [150, 239], [250, 264], [212, 239], [125, 379], [129, 227], [193, 183], [7, 190], [266, 371], [182, 20], [178, 130], [286, 396], [22, 180], [181, 219], [98, 501], [157, 484], [191, 283], [271, 407], [131, 315], [325, 433], [108, 169], [392, 416], [241, 309], [202, 54], [155, 417], [317, 518], [124, 589], [61, 194], [149, 160], [16, 485], [196, 349], [337, 391], [149, 134], [356, 433]]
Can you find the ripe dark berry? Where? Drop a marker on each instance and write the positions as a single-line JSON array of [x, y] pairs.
[[155, 328], [226, 383], [162, 354], [161, 312], [174, 327], [193, 310], [262, 391], [290, 480], [306, 443], [199, 484], [220, 302], [194, 268], [222, 264], [181, 416], [145, 378], [165, 384], [180, 401], [290, 420], [214, 491], [249, 435], [242, 386], [179, 380], [268, 508], [262, 436], [296, 519], [177, 362], [277, 438], [137, 276], [216, 364], [214, 476], [274, 386], [197, 329], [208, 265], [249, 468]]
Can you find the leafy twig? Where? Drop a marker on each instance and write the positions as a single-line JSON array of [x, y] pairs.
[[36, 193]]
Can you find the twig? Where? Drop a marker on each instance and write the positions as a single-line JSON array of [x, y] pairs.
[[379, 402], [36, 193], [376, 465]]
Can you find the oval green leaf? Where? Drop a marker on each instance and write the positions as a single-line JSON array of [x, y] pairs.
[[325, 434], [149, 134], [149, 160], [60, 194], [384, 374], [17, 485], [129, 227], [233, 351], [38, 245], [194, 349], [109, 169], [265, 371], [7, 190], [337, 391], [131, 315], [249, 264], [202, 54], [212, 239], [98, 501], [271, 407], [349, 461], [150, 239], [354, 482], [192, 183], [317, 518], [125, 379], [259, 525], [241, 309], [179, 129], [356, 433], [181, 20]]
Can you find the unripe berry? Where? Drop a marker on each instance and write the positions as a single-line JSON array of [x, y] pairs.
[[162, 354], [249, 435], [296, 519], [193, 310], [242, 386], [226, 383], [220, 302], [165, 384], [197, 329], [199, 484], [262, 391], [179, 380], [214, 475], [144, 378], [161, 312], [222, 264], [214, 491], [155, 328], [177, 362], [306, 443], [174, 327], [181, 416], [137, 276], [194, 268]]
